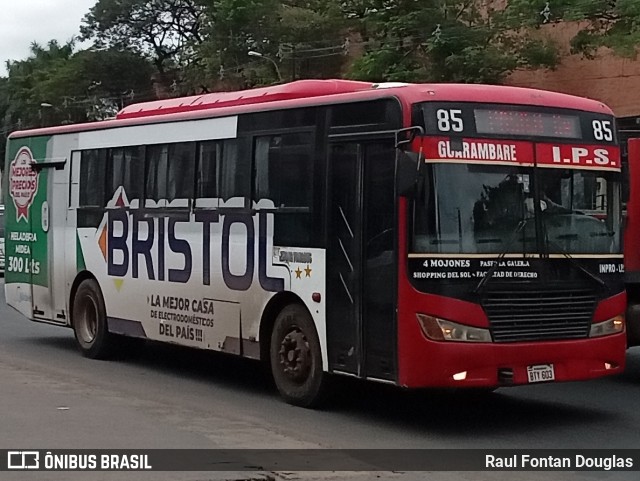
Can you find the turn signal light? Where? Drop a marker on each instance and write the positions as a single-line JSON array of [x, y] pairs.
[[610, 326]]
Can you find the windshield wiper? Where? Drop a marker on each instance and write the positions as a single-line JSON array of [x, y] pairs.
[[504, 252], [577, 264]]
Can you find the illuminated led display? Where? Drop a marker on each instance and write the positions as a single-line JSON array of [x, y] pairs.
[[527, 123]]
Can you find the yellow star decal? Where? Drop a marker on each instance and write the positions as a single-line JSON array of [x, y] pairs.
[[307, 271], [298, 273]]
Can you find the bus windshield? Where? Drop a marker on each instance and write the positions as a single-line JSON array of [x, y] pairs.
[[471, 209]]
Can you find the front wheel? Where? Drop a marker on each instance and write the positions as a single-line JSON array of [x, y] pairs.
[[296, 359], [90, 322]]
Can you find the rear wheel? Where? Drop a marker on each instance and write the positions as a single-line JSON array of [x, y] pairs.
[[296, 358], [90, 322]]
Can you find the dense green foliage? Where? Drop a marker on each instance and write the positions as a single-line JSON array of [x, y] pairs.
[[446, 40], [604, 23], [55, 85]]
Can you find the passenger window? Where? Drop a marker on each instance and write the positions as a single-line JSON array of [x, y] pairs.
[[181, 173], [171, 173], [92, 178], [125, 169], [156, 173], [283, 174], [234, 171], [284, 170], [209, 154], [133, 175]]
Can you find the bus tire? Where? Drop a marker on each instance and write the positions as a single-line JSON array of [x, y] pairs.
[[90, 322], [296, 358]]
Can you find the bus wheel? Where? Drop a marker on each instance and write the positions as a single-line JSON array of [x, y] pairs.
[[296, 360], [90, 322]]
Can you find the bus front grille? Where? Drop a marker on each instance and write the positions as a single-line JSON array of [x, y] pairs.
[[539, 315]]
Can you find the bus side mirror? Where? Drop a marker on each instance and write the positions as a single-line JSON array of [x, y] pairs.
[[408, 165]]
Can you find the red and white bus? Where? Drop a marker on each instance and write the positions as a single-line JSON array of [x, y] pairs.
[[421, 235]]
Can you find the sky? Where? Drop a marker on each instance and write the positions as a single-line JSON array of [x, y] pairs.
[[25, 21]]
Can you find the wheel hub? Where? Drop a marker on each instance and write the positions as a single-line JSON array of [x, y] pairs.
[[295, 356]]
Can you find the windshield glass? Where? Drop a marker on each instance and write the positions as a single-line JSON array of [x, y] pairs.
[[470, 209], [580, 211]]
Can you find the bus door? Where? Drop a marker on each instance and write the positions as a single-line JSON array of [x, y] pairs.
[[47, 257], [361, 270], [29, 270]]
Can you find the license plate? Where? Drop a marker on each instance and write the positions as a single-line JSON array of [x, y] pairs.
[[541, 373]]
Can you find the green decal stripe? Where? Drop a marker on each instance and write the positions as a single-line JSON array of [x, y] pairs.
[[80, 264], [27, 255]]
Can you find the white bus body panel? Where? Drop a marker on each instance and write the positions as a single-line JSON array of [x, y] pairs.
[[188, 312]]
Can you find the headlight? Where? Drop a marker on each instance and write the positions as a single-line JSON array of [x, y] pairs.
[[610, 326], [438, 329]]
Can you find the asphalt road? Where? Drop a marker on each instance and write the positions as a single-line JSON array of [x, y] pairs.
[[170, 397]]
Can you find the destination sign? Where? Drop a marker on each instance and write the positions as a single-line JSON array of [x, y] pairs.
[[466, 119], [438, 149]]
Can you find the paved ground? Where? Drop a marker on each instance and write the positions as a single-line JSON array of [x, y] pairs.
[[165, 397]]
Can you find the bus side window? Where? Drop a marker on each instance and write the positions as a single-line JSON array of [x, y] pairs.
[[92, 196], [170, 174], [234, 172], [180, 174], [115, 171], [124, 169], [156, 175], [283, 174], [92, 178], [209, 154], [133, 175]]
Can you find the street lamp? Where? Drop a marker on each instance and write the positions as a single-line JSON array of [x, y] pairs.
[[253, 53], [44, 105]]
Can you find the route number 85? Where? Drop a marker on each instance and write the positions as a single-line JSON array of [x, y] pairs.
[[449, 120], [602, 130]]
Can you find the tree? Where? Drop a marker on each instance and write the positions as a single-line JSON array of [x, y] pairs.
[[313, 37], [443, 40], [95, 84], [25, 85], [235, 27], [606, 23], [304, 38], [165, 31], [21, 93], [5, 126], [55, 85]]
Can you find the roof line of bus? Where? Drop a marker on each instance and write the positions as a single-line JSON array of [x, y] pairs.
[[316, 93]]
